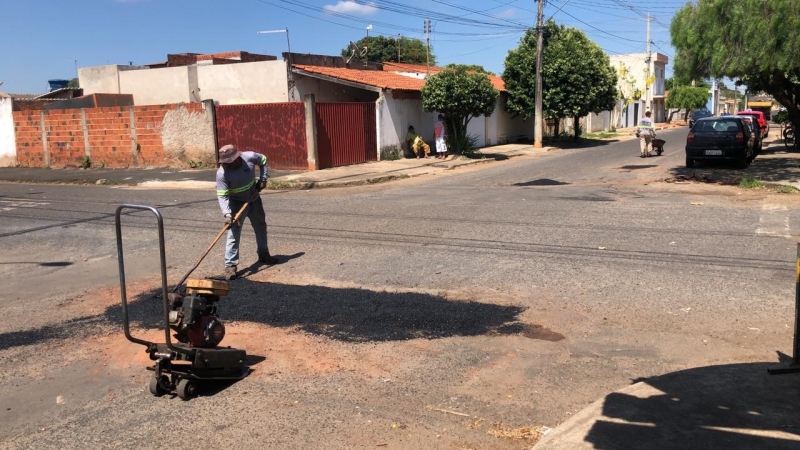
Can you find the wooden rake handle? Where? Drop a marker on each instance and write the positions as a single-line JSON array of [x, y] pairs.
[[225, 228]]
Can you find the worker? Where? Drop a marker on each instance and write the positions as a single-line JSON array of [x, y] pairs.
[[236, 184], [416, 143], [646, 133]]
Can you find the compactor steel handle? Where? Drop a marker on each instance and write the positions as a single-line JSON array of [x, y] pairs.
[[164, 293]]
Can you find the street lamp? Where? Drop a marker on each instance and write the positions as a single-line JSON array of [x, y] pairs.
[[285, 30], [289, 91]]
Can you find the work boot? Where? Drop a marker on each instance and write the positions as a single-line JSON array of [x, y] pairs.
[[268, 259], [230, 273]]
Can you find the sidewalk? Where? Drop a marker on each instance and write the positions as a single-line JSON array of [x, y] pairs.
[[774, 166], [732, 407], [358, 174]]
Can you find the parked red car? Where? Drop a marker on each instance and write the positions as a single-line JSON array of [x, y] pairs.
[[762, 122]]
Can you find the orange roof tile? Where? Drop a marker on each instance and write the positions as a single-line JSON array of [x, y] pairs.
[[405, 67], [497, 82], [386, 79]]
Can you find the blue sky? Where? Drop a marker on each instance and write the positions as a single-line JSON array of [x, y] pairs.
[[41, 39]]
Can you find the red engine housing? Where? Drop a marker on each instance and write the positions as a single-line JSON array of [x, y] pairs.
[[206, 332]]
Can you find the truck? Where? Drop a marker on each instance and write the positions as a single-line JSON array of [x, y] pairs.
[[763, 104]]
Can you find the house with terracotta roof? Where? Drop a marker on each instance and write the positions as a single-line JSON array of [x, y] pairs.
[[242, 78], [396, 90]]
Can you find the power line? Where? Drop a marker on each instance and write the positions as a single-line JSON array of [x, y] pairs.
[[598, 29]]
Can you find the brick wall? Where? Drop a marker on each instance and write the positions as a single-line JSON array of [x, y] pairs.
[[158, 136]]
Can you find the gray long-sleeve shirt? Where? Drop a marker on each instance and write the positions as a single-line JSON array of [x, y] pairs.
[[240, 183]]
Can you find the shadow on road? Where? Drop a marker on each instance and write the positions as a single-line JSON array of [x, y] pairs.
[[581, 143], [775, 168], [542, 182], [737, 406], [344, 314]]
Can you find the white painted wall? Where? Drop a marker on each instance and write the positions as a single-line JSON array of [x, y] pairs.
[[255, 82], [395, 116], [509, 128], [597, 122], [477, 128], [8, 144]]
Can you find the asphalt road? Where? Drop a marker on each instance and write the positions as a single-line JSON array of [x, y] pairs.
[[437, 312]]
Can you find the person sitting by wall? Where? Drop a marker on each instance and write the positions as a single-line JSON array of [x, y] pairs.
[[416, 143]]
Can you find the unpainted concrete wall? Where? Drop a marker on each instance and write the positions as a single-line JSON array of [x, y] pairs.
[[243, 83], [99, 80], [188, 136], [157, 86]]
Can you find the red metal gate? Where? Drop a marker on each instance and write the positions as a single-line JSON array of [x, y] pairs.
[[277, 130], [346, 134]]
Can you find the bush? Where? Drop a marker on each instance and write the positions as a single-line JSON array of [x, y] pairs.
[[782, 117], [464, 145]]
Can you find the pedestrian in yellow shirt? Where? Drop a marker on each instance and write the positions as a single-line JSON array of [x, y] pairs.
[[416, 143]]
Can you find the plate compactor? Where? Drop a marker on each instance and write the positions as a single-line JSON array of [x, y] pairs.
[[196, 356]]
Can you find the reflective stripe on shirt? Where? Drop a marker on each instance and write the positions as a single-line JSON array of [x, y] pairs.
[[239, 190]]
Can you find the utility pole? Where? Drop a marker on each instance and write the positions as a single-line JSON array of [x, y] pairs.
[[538, 126], [428, 52], [648, 90], [398, 47]]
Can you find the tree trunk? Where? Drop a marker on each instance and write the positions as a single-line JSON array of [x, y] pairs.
[[672, 114], [576, 124], [557, 129]]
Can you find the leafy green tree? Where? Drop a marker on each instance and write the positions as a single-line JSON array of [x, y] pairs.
[[471, 68], [73, 83], [460, 95], [688, 98], [577, 76], [673, 82], [384, 49], [754, 41]]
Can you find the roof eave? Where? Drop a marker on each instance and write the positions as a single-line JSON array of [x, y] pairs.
[[354, 84]]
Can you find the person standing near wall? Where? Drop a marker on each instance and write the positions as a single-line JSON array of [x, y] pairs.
[[440, 136]]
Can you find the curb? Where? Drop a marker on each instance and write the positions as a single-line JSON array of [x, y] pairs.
[[275, 184]]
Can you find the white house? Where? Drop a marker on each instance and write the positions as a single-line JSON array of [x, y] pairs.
[[642, 84], [396, 91]]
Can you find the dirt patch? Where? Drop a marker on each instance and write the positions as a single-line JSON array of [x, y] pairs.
[[533, 433]]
